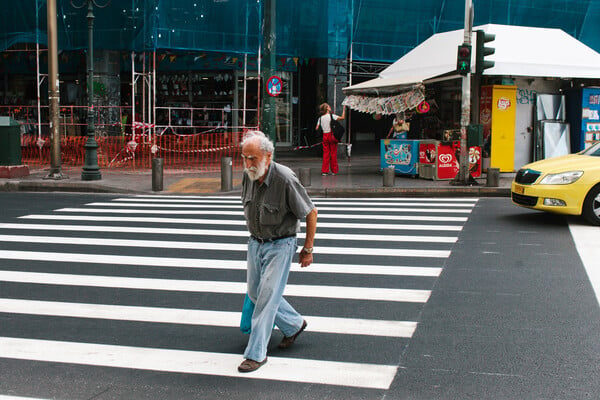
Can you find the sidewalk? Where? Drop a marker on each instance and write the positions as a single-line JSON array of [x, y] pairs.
[[359, 176]]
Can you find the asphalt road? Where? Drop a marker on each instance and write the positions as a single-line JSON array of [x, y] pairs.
[[111, 297]]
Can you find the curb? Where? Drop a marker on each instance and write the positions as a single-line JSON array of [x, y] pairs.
[[409, 192], [84, 187], [49, 186]]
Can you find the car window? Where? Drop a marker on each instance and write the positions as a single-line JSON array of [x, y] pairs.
[[592, 151]]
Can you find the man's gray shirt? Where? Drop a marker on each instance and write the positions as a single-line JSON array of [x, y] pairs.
[[274, 208]]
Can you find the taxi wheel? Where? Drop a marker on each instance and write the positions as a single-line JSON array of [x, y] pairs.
[[591, 206]]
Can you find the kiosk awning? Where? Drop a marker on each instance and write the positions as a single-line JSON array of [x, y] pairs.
[[519, 51]]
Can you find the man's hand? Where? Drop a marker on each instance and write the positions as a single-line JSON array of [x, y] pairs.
[[305, 258]]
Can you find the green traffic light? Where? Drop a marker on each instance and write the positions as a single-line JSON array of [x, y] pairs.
[[463, 60]]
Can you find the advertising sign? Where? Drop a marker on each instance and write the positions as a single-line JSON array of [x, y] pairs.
[[448, 163], [427, 153]]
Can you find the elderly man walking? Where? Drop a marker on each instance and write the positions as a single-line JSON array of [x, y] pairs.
[[274, 203]]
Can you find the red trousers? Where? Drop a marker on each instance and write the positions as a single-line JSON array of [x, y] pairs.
[[329, 153]]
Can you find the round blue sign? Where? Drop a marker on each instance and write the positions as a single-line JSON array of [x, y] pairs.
[[274, 86]]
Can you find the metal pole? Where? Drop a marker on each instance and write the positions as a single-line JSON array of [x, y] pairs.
[[465, 117], [91, 170], [226, 174], [53, 93], [268, 120], [157, 174]]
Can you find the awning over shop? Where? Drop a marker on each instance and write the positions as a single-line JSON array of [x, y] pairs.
[[520, 51]]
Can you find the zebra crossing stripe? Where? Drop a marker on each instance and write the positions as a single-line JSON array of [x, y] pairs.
[[436, 218], [79, 241], [343, 326], [362, 375], [231, 233], [202, 263], [232, 222], [341, 200], [322, 291], [384, 208], [390, 203]]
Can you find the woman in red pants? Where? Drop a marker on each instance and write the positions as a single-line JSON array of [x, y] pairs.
[[329, 141]]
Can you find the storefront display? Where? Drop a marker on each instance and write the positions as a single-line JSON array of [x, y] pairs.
[[583, 113]]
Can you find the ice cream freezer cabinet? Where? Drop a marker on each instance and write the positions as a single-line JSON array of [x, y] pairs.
[[440, 160], [401, 154]]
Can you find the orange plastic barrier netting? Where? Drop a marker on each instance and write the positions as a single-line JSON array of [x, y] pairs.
[[202, 152]]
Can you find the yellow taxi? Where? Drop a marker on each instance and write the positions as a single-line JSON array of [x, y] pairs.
[[566, 185]]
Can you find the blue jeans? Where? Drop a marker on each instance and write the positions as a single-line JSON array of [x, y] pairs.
[[268, 269]]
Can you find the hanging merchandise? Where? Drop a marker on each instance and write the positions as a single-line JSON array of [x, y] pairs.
[[386, 105]]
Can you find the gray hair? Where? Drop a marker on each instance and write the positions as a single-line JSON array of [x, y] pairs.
[[265, 143]]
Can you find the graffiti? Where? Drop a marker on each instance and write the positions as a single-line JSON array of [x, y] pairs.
[[398, 154], [526, 96]]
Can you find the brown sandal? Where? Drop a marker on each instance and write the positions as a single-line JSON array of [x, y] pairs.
[[287, 342], [249, 365]]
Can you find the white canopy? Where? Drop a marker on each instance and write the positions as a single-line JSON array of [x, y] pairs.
[[520, 51]]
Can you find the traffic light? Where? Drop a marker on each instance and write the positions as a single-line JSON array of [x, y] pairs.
[[463, 61], [482, 52]]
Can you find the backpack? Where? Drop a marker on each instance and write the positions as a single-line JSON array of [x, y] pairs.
[[337, 129]]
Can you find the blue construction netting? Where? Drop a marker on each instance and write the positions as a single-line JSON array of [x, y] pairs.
[[375, 30]]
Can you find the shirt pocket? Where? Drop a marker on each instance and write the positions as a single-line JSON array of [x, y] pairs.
[[247, 204], [270, 214]]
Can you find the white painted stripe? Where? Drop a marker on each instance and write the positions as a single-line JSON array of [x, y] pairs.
[[587, 240], [163, 205], [2, 397], [390, 203], [201, 263], [240, 213], [227, 233], [328, 292], [343, 326], [318, 199], [383, 208], [196, 362], [386, 252], [451, 202], [192, 221], [155, 212]]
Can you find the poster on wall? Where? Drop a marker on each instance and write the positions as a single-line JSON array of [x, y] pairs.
[[485, 117]]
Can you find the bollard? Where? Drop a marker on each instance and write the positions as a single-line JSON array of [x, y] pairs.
[[389, 175], [157, 174], [492, 178], [305, 176], [226, 174]]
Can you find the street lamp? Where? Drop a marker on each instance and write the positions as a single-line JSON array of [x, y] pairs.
[[91, 170]]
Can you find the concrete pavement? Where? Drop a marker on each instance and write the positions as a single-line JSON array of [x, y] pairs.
[[359, 176]]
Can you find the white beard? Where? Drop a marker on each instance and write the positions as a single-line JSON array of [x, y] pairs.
[[255, 173]]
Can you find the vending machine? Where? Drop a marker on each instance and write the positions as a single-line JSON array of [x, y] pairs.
[[583, 114]]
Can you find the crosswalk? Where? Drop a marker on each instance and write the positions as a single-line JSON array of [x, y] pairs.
[[133, 258]]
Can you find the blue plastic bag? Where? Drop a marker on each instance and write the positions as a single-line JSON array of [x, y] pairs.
[[247, 311]]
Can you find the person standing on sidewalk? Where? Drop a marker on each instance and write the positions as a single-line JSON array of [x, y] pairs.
[[274, 203], [329, 141]]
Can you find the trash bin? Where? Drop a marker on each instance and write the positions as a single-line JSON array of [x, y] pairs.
[[10, 141]]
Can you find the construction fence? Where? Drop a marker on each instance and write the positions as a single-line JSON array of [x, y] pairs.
[[182, 143]]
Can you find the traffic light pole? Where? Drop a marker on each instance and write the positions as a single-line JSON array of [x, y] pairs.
[[53, 94], [465, 116]]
